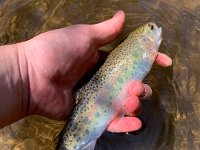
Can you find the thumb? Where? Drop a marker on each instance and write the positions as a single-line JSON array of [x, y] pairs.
[[108, 30]]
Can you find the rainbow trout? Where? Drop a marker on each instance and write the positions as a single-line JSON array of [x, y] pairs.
[[101, 99]]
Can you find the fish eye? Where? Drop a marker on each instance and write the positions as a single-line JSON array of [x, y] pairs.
[[151, 26]]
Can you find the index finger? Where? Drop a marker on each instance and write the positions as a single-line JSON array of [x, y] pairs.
[[163, 60]]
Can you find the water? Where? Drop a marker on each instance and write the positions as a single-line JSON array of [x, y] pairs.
[[171, 119]]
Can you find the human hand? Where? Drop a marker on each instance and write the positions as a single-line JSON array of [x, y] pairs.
[[58, 59]]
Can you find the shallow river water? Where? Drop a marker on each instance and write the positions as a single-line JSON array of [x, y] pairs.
[[171, 118]]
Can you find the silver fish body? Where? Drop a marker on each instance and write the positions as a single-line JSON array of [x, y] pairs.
[[101, 99]]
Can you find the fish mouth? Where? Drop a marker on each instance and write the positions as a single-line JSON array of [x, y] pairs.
[[159, 33]]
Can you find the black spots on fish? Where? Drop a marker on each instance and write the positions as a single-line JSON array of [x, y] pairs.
[[77, 97], [96, 78], [79, 121], [143, 29], [107, 110], [78, 139], [94, 96], [73, 126], [86, 92], [93, 86], [86, 107], [70, 141], [70, 124], [81, 109], [86, 101], [69, 134], [67, 144], [110, 69], [109, 103], [87, 131], [120, 80], [76, 135], [97, 114], [110, 97], [130, 44], [120, 88], [94, 81]]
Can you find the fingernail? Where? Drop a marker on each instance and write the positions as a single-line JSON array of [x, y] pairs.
[[168, 63], [143, 94], [148, 92], [117, 13], [164, 60]]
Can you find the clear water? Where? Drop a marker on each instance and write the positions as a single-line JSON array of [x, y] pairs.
[[171, 119]]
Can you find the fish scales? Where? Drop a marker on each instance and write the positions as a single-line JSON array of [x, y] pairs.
[[101, 99]]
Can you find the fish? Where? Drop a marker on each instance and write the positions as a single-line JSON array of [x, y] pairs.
[[101, 99]]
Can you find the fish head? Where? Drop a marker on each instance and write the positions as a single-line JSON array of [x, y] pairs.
[[151, 37]]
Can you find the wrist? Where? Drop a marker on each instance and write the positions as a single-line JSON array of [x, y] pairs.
[[23, 77], [14, 95]]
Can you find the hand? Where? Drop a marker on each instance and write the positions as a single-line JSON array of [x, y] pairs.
[[58, 59]]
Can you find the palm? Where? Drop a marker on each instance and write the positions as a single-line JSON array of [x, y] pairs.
[[60, 58]]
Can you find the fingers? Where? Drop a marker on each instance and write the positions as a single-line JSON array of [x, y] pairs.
[[132, 106], [163, 60], [108, 30], [136, 90], [125, 124]]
